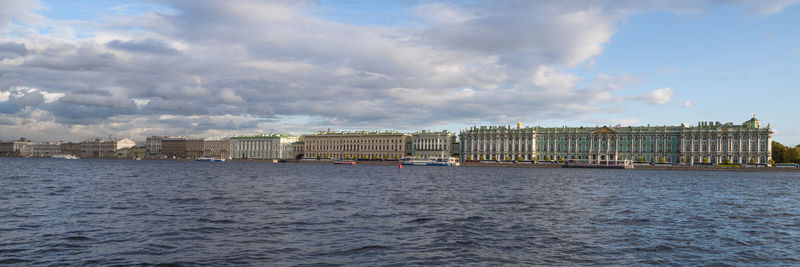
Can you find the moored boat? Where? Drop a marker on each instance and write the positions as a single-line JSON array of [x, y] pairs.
[[206, 159], [430, 162], [602, 164], [64, 156], [344, 162]]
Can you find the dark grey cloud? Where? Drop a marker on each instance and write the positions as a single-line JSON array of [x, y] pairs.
[[12, 50], [150, 46], [9, 108], [27, 98]]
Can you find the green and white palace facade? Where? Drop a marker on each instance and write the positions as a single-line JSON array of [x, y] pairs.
[[707, 143]]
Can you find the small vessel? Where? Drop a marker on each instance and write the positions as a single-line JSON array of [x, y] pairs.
[[344, 162], [431, 162], [64, 156], [601, 164], [206, 159]]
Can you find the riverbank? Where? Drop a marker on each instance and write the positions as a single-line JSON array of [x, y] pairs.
[[514, 165], [643, 167]]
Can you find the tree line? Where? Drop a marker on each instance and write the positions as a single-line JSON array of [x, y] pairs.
[[785, 154]]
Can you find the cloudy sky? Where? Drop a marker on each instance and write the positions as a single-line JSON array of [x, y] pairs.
[[70, 70]]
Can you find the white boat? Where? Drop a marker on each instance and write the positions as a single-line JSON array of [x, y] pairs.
[[64, 156], [431, 162], [205, 159]]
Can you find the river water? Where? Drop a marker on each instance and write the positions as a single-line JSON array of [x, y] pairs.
[[107, 212]]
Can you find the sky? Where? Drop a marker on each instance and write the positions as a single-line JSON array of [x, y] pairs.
[[72, 70]]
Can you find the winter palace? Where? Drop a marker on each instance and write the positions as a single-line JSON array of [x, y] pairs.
[[707, 143]]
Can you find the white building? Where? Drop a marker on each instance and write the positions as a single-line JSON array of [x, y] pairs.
[[263, 146], [427, 144]]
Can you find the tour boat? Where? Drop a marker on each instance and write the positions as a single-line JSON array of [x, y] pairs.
[[64, 156], [344, 162], [601, 164], [205, 159], [431, 162]]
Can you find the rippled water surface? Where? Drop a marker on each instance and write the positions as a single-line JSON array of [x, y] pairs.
[[153, 212]]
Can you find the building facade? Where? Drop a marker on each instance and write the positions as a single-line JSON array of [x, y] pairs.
[[104, 147], [71, 149], [174, 147], [299, 149], [707, 143], [216, 148], [358, 145], [427, 144], [501, 143], [22, 147], [195, 148], [46, 149], [135, 152], [262, 146], [154, 146]]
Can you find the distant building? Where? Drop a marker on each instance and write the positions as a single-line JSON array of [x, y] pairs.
[[708, 143], [46, 149], [387, 145], [216, 148], [138, 151], [298, 149], [194, 148], [154, 146], [173, 147], [262, 146], [19, 148], [498, 143], [104, 147], [427, 144], [71, 149]]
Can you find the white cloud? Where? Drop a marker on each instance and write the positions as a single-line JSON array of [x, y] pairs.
[[656, 97], [550, 80], [688, 104], [761, 8]]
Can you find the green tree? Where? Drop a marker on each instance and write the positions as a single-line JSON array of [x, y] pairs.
[[483, 158], [548, 159], [792, 155], [752, 161], [705, 160], [508, 158], [727, 161], [661, 160], [778, 152], [520, 158], [534, 159], [469, 158], [683, 160]]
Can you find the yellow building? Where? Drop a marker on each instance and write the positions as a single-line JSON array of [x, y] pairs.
[[376, 145]]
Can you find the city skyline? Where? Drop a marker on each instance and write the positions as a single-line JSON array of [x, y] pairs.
[[79, 69]]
